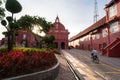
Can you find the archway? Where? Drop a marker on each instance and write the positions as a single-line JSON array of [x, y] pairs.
[[62, 45]]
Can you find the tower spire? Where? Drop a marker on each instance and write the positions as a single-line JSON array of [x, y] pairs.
[[95, 19], [57, 19]]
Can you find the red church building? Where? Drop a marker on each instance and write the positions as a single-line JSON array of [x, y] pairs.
[[27, 38], [104, 35], [60, 33]]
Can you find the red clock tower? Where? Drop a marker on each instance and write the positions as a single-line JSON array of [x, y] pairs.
[[60, 33]]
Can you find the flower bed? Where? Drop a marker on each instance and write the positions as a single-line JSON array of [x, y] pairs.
[[24, 61]]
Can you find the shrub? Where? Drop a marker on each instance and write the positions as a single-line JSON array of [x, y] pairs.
[[25, 60]]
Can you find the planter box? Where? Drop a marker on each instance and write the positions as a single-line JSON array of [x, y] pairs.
[[49, 74]]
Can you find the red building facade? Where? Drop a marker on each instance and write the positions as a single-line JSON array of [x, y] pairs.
[[60, 33], [104, 35], [27, 38], [24, 38]]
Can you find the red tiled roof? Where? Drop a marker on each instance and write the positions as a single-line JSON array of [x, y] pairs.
[[111, 2], [90, 28]]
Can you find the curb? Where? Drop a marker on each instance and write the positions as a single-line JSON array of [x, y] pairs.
[[49, 74]]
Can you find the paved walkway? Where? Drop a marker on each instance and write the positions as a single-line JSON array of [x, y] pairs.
[[64, 72], [109, 68], [109, 65], [115, 62]]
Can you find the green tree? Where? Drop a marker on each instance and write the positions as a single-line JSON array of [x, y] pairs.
[[12, 6], [28, 22], [49, 41]]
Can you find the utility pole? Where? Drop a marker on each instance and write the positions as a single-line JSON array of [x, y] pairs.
[[95, 19]]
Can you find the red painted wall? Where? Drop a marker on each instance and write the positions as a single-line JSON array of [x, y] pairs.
[[30, 37], [60, 33], [102, 42]]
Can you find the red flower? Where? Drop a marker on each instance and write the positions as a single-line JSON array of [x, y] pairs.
[[24, 61]]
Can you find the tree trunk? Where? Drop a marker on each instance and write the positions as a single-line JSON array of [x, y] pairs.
[[9, 41]]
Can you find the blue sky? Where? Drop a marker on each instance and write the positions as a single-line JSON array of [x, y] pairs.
[[75, 15]]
